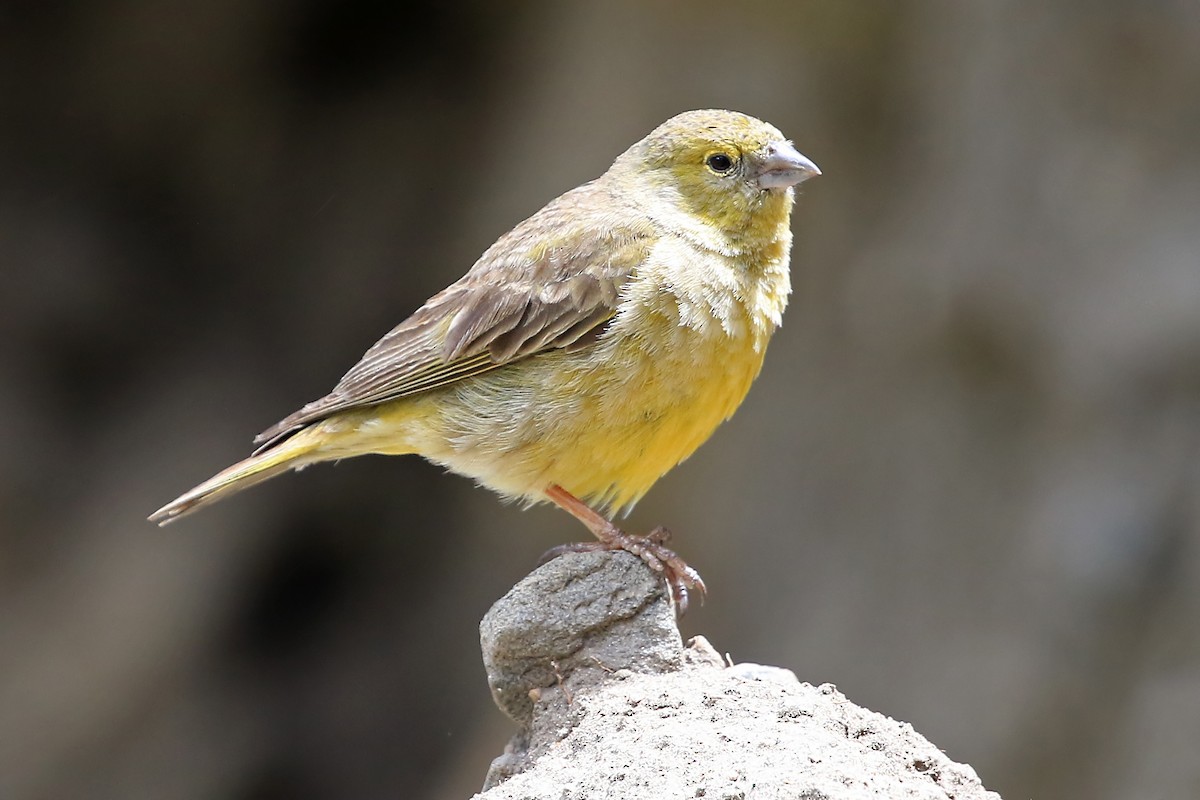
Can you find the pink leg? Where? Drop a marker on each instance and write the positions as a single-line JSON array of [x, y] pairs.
[[651, 548]]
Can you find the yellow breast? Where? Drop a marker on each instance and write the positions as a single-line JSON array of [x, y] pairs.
[[679, 359], [658, 406]]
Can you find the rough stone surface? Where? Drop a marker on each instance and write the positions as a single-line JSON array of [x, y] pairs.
[[585, 656], [571, 622]]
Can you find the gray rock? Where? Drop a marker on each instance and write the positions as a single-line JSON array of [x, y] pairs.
[[585, 656], [573, 621]]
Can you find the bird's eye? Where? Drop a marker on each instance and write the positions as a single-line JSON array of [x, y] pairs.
[[719, 162]]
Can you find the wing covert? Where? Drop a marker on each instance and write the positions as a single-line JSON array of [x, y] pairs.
[[526, 294]]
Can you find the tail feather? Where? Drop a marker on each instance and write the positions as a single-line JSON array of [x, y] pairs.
[[290, 454]]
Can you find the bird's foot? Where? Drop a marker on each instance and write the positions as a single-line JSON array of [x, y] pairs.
[[681, 579], [651, 548]]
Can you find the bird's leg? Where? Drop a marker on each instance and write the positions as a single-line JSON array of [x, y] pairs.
[[650, 548]]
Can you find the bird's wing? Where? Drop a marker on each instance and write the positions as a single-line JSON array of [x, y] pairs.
[[550, 283]]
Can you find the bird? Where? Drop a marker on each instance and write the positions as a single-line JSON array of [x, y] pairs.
[[589, 350]]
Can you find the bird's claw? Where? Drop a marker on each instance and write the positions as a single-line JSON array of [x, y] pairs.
[[681, 579]]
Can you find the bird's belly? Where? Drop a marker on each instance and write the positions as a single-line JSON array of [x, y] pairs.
[[604, 427], [657, 417]]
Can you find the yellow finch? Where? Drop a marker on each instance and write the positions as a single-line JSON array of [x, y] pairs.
[[591, 349]]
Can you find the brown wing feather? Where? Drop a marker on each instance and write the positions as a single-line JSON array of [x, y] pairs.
[[549, 283]]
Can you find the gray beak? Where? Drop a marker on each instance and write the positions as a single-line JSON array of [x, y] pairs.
[[784, 166]]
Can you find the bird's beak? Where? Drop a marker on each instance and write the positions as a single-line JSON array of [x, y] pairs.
[[784, 166]]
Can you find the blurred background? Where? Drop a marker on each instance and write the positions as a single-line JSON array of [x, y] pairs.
[[965, 488]]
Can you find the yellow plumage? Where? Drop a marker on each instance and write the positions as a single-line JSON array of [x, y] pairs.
[[594, 347]]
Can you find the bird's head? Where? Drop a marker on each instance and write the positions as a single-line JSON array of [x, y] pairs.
[[727, 170]]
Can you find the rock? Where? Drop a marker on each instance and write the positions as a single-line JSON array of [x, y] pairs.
[[585, 656], [575, 620]]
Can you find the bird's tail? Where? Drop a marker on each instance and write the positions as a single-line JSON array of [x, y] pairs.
[[292, 453]]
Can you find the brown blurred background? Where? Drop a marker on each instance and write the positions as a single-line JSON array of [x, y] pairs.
[[965, 488]]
